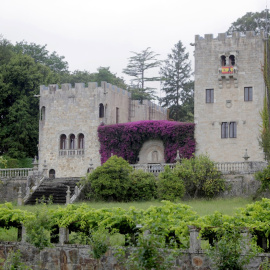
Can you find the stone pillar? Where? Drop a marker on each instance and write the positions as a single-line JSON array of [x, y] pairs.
[[20, 201], [22, 234], [45, 169], [68, 196], [245, 240], [194, 241], [63, 235]]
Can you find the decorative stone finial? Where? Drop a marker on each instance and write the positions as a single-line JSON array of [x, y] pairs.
[[68, 195], [178, 158], [246, 156], [35, 164]]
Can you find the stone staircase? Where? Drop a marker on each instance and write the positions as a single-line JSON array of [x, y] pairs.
[[56, 188]]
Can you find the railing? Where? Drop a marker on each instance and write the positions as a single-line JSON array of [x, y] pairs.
[[241, 167], [77, 152], [15, 173], [225, 167]]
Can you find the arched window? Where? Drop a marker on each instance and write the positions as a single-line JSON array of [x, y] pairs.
[[42, 113], [51, 173], [71, 141], [63, 139], [223, 60], [101, 110], [232, 60], [81, 141]]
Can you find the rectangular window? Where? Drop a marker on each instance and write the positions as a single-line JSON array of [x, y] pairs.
[[209, 94], [224, 130], [232, 129], [248, 95], [228, 130], [117, 115]]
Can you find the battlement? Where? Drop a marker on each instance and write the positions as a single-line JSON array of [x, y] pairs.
[[224, 36], [67, 87]]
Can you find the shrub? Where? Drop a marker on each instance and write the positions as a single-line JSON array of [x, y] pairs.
[[264, 177], [143, 186], [228, 249], [170, 187], [200, 176], [110, 182], [13, 261]]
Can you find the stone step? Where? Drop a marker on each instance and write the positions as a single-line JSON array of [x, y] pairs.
[[56, 188]]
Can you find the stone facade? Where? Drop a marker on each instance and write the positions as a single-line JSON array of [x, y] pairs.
[[229, 93], [69, 118]]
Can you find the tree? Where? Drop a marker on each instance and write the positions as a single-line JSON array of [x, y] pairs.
[[175, 74], [250, 22], [137, 67], [20, 79], [41, 55], [102, 74]]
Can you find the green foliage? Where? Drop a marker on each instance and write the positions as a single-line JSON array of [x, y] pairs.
[[102, 74], [200, 176], [148, 254], [110, 182], [170, 187], [137, 67], [99, 242], [264, 177], [265, 265], [39, 228], [143, 186], [227, 251], [175, 74], [251, 21], [20, 79], [13, 262]]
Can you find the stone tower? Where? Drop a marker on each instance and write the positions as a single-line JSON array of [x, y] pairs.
[[229, 93], [69, 118]]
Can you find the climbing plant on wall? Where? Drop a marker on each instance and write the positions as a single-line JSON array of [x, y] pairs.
[[126, 140]]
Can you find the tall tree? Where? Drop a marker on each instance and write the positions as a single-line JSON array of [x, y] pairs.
[[41, 55], [250, 22], [102, 74], [175, 76], [137, 67], [20, 79]]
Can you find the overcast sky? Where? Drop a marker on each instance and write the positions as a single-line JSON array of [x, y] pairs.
[[94, 33]]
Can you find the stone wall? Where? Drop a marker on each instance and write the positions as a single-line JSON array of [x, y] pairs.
[[9, 189], [76, 257], [237, 185], [228, 104], [76, 112]]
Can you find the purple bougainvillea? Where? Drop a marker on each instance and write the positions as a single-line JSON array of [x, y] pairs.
[[126, 140]]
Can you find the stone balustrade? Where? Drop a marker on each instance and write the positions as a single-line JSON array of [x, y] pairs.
[[244, 167], [19, 173]]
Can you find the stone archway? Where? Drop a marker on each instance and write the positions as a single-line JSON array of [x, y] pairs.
[[152, 151]]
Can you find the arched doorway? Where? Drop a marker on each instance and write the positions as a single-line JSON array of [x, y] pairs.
[[52, 174]]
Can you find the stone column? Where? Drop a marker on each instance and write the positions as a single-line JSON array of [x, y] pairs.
[[194, 240], [20, 201], [63, 235], [22, 234], [68, 196]]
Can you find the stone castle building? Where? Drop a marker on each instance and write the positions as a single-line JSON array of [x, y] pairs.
[[69, 118], [229, 94]]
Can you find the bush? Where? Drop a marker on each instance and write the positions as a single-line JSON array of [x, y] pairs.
[[110, 182], [170, 187], [264, 177], [200, 176], [143, 186]]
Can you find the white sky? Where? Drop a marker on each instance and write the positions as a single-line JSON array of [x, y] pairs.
[[98, 33]]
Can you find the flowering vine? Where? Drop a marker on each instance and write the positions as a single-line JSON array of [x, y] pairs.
[[125, 140]]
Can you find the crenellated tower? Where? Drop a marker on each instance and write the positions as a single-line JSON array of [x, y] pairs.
[[229, 93], [69, 118]]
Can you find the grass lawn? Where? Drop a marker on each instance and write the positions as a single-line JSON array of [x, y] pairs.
[[226, 206]]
